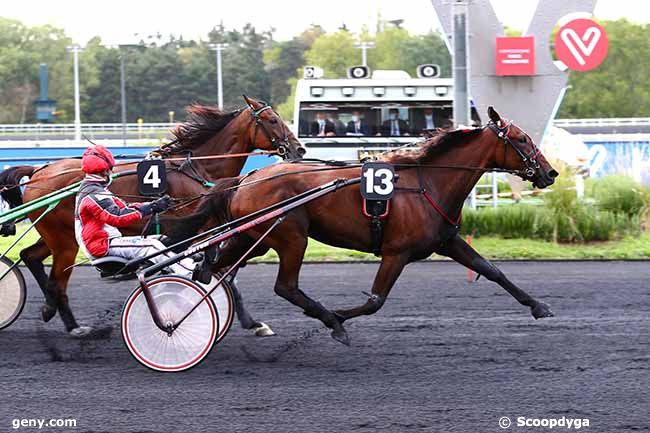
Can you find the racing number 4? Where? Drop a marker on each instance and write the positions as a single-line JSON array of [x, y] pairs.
[[152, 177]]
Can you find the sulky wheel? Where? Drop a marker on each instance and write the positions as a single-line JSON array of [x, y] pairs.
[[189, 344], [13, 293], [223, 300]]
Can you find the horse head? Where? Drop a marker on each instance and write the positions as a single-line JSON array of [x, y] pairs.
[[275, 134], [520, 153]]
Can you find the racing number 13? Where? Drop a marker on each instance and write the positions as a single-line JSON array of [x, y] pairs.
[[385, 178]]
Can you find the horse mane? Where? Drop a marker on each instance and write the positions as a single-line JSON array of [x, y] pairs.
[[438, 142], [202, 123]]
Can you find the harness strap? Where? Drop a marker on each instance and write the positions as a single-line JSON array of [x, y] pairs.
[[438, 209], [193, 174]]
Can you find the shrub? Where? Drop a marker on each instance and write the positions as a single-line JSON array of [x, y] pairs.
[[620, 207], [619, 194]]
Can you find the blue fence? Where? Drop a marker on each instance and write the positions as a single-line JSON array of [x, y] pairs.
[[607, 157]]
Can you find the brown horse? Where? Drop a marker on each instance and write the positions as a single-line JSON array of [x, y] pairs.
[[426, 206], [207, 132]]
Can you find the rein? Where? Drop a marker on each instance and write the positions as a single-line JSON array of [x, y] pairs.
[[192, 158]]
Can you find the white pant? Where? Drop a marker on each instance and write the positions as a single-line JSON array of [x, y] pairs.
[[136, 247]]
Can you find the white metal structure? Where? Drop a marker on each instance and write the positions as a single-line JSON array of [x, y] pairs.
[[75, 50], [374, 99], [218, 48]]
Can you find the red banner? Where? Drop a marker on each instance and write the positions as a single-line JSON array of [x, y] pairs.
[[515, 55]]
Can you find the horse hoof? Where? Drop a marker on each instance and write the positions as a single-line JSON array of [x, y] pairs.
[[542, 310], [81, 331], [341, 335], [47, 312], [263, 330]]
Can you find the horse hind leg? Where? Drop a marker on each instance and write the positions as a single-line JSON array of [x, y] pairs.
[[64, 255], [33, 257], [246, 320], [229, 252], [291, 253]]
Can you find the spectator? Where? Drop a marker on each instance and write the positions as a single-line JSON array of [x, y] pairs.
[[425, 122], [358, 125], [321, 127], [339, 127], [394, 126]]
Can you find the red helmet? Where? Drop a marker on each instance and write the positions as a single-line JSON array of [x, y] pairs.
[[97, 159]]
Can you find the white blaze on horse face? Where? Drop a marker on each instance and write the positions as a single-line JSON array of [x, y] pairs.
[[576, 44]]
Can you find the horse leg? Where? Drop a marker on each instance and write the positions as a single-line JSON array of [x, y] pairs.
[[63, 258], [229, 253], [457, 249], [389, 270], [291, 253], [246, 321], [33, 257]]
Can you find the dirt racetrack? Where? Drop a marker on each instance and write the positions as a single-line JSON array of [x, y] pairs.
[[442, 355]]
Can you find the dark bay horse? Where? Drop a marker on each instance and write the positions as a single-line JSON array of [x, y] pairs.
[[207, 132], [419, 223]]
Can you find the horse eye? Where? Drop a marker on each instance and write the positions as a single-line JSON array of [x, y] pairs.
[[523, 140]]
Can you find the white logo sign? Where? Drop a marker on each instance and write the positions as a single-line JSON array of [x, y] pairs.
[[581, 47]]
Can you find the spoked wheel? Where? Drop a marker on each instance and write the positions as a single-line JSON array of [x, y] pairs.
[[223, 300], [189, 344], [13, 293]]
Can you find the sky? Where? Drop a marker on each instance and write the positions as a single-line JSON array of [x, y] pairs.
[[125, 21]]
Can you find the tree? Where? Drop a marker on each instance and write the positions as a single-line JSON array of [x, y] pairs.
[[395, 48], [284, 59]]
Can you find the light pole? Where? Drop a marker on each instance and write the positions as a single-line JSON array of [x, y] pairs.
[[218, 48], [461, 107], [123, 94], [364, 46], [75, 50], [123, 52]]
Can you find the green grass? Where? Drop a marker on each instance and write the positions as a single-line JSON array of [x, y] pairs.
[[628, 248]]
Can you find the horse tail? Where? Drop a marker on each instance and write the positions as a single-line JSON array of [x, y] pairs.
[[213, 210], [10, 183], [11, 193]]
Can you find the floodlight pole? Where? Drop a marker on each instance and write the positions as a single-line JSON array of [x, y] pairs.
[[364, 46], [218, 48], [75, 50], [123, 94], [461, 107]]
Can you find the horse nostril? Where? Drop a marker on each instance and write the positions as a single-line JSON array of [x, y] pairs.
[[301, 151], [553, 174]]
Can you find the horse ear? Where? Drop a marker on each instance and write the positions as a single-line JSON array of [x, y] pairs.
[[494, 116], [249, 101]]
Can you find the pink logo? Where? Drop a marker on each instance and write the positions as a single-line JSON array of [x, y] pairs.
[[581, 44]]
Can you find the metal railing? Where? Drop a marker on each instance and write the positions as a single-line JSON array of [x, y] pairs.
[[68, 128], [613, 122]]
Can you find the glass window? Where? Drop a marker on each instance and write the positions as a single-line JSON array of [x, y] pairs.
[[371, 119]]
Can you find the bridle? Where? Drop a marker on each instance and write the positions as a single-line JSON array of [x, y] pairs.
[[530, 161], [281, 145]]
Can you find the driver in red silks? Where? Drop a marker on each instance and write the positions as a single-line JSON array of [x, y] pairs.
[[99, 214]]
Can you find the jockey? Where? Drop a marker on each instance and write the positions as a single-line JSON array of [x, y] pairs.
[[99, 214]]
